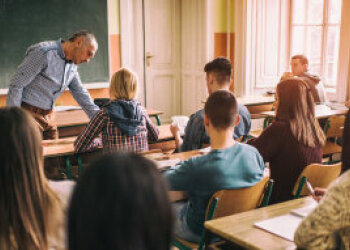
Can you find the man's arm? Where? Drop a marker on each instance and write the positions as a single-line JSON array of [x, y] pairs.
[[82, 96], [195, 134], [31, 66]]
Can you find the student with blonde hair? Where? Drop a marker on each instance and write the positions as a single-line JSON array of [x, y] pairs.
[[294, 140], [124, 123], [31, 213]]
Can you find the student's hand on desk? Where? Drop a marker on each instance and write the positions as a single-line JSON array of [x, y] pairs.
[[319, 193]]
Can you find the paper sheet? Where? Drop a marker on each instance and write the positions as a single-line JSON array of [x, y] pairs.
[[283, 226]]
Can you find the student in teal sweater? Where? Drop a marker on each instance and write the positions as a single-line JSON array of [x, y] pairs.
[[229, 165]]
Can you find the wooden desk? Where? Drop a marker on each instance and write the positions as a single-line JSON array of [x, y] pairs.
[[319, 114], [64, 146], [255, 100], [239, 228], [72, 122]]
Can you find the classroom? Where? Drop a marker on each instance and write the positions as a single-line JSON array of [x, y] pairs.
[[175, 124]]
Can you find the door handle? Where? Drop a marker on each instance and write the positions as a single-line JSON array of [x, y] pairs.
[[148, 57]]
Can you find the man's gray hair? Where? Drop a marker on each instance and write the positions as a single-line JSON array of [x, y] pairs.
[[88, 36]]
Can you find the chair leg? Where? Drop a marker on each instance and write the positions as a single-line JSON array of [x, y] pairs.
[[68, 168], [180, 246], [300, 187]]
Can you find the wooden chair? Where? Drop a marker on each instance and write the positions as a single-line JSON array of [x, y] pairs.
[[318, 175], [333, 129], [228, 202]]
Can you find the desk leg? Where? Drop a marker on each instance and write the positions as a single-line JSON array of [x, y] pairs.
[[158, 120], [68, 168]]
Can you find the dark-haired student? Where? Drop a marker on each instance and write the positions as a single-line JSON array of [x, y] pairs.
[[31, 208], [229, 165], [218, 77], [328, 226], [120, 202], [294, 140], [124, 123]]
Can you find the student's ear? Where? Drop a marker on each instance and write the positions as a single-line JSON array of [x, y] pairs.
[[206, 121], [305, 67], [238, 120]]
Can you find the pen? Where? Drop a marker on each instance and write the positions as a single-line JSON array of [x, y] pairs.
[[309, 187]]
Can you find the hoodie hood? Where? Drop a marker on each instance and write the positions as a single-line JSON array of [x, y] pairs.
[[315, 79], [126, 115]]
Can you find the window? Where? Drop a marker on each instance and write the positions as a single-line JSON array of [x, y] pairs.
[[268, 33], [315, 30]]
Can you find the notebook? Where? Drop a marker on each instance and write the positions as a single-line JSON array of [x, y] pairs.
[[286, 225], [165, 164]]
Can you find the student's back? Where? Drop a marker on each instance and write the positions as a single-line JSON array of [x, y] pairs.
[[294, 140], [124, 123], [236, 167], [31, 215], [229, 165]]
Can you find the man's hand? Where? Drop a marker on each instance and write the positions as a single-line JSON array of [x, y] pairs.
[[319, 193], [286, 75], [175, 131]]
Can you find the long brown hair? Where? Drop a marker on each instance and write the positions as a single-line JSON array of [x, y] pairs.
[[26, 201], [295, 104]]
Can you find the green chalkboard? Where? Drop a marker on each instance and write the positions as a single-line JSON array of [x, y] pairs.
[[26, 22]]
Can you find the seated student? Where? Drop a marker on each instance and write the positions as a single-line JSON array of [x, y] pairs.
[[120, 202], [328, 226], [218, 77], [31, 213], [299, 65], [294, 140], [229, 165], [124, 123]]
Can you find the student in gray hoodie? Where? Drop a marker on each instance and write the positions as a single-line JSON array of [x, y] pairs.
[[124, 123], [299, 65]]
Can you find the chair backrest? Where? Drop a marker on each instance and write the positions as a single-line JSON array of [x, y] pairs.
[[334, 126], [318, 175], [238, 200]]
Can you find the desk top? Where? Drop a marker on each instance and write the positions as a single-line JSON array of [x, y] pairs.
[[65, 146], [78, 117], [255, 100], [319, 113], [239, 228]]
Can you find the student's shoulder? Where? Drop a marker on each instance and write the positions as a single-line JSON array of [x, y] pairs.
[[199, 115], [245, 149], [343, 182]]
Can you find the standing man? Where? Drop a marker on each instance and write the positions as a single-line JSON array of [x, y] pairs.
[[299, 65], [47, 70]]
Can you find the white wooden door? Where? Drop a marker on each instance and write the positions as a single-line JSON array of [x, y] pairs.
[[197, 49], [162, 51]]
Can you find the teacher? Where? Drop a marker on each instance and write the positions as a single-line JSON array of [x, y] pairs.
[[47, 69]]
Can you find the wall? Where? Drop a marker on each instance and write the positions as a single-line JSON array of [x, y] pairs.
[[224, 30], [114, 57]]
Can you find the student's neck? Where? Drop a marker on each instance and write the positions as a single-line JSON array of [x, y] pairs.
[[221, 139], [217, 87]]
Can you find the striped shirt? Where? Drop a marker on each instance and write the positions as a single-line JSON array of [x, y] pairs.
[[112, 137], [42, 77]]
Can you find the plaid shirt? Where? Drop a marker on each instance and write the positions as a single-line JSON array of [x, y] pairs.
[[112, 137], [44, 75]]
